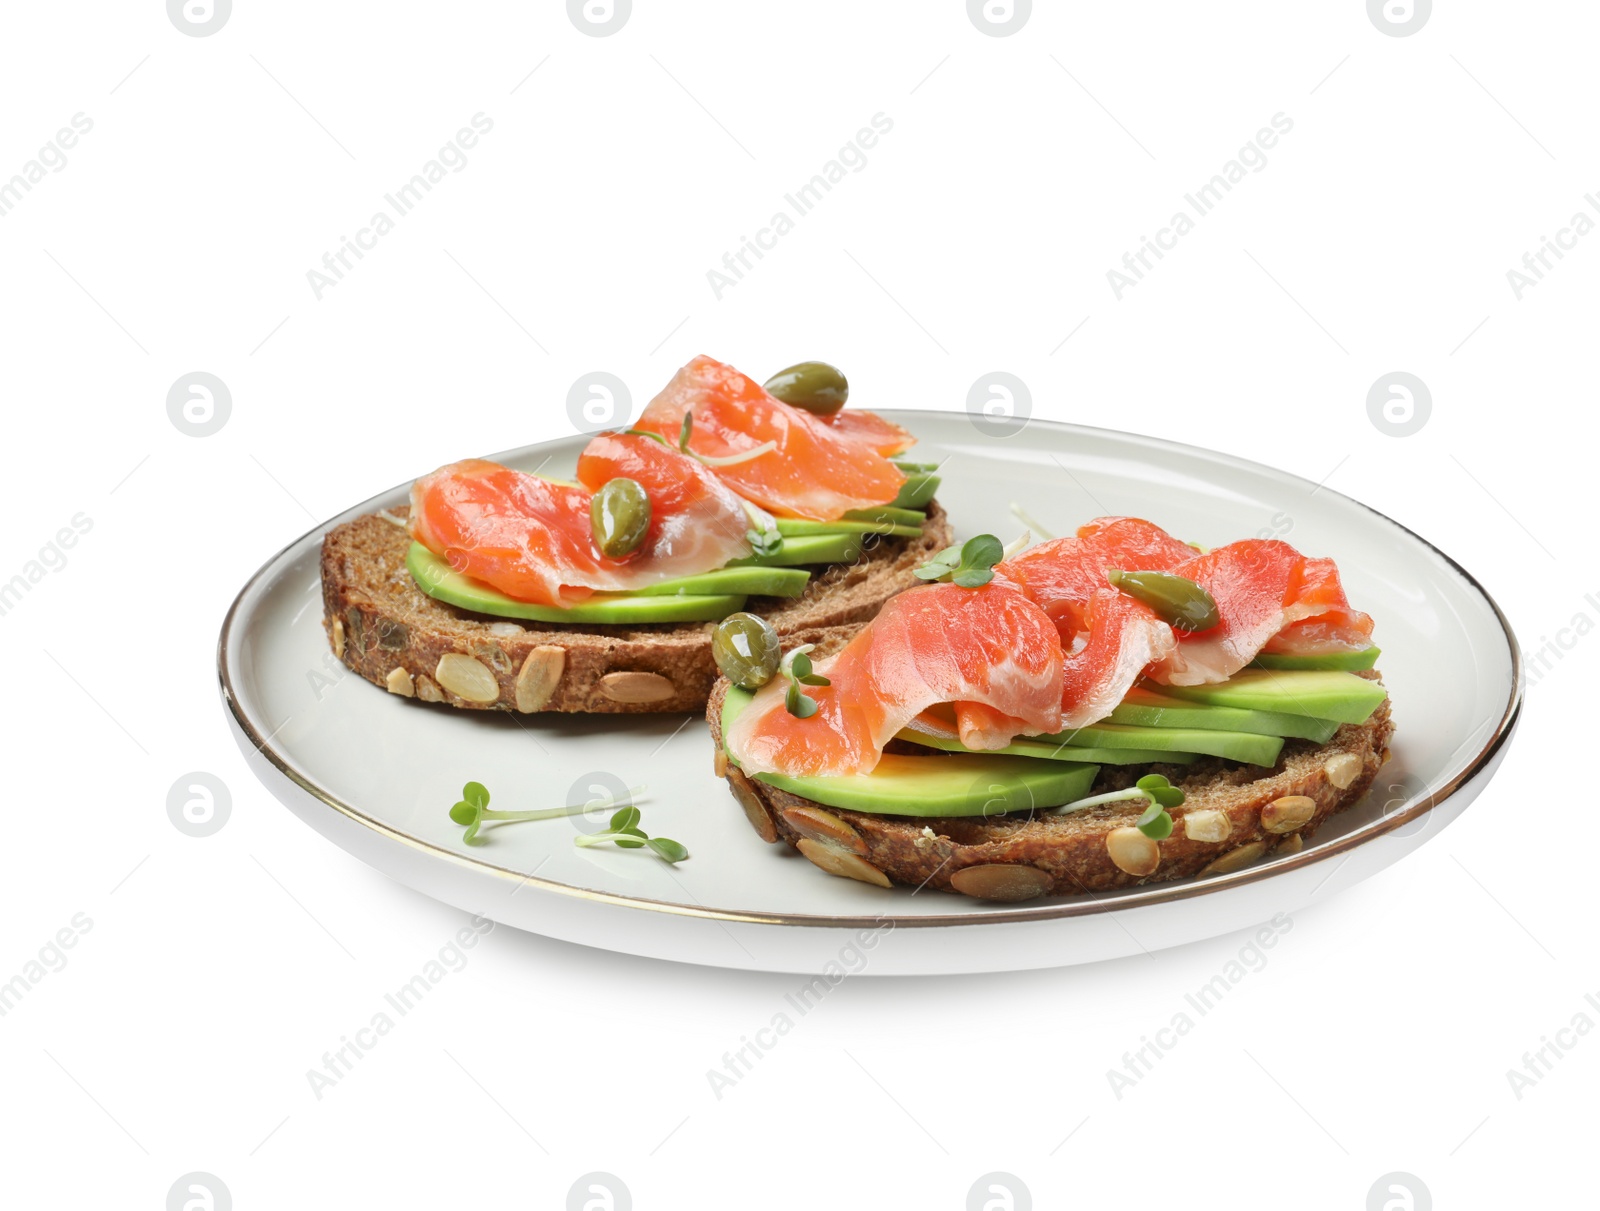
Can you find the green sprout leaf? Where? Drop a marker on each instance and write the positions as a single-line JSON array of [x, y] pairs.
[[668, 849], [1159, 828], [476, 794], [764, 542], [941, 565], [1155, 822], [797, 668], [970, 565], [471, 815], [800, 704], [1162, 791], [1157, 794], [686, 431], [625, 820]]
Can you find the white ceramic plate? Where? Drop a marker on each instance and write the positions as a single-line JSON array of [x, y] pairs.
[[377, 773]]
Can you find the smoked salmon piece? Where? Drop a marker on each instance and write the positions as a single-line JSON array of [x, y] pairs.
[[938, 643], [1108, 638], [816, 470], [532, 538], [870, 430], [1266, 593]]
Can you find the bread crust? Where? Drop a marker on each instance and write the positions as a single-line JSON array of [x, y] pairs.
[[386, 629], [1073, 851]]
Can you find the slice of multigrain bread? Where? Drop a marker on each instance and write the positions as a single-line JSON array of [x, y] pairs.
[[1232, 815], [386, 629]]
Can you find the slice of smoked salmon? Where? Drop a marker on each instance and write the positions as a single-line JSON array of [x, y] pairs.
[[1062, 574], [814, 471], [938, 643], [870, 430], [1339, 629], [1108, 638], [532, 538], [1262, 587]]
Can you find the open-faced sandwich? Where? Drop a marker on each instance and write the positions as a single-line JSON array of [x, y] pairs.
[[500, 589], [1099, 710]]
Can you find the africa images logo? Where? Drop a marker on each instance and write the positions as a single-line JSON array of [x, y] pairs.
[[999, 1192], [199, 18], [1399, 1191], [599, 1191], [599, 18]]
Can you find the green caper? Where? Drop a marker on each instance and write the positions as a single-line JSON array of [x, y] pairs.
[[620, 515], [1179, 601], [815, 386], [747, 650]]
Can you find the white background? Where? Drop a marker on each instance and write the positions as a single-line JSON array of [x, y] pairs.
[[178, 237]]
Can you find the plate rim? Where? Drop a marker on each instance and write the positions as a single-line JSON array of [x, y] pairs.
[[1089, 904]]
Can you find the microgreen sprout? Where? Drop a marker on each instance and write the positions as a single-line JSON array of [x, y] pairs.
[[644, 433], [969, 565], [764, 542], [625, 832], [762, 535], [1027, 519], [796, 667], [1018, 544], [473, 812], [1156, 791], [733, 460], [686, 431]]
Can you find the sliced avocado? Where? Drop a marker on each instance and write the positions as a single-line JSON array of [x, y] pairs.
[[1233, 746], [904, 517], [1146, 708], [918, 489], [1353, 662], [765, 582], [974, 785], [1035, 747], [437, 579], [796, 527], [1319, 693], [805, 549]]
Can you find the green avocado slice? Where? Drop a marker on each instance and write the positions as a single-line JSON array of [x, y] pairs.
[[1232, 746], [903, 517], [437, 579], [968, 785], [1319, 693], [758, 580], [947, 786], [1146, 708], [918, 489], [800, 550], [1351, 662], [1032, 746], [797, 527]]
